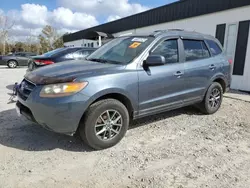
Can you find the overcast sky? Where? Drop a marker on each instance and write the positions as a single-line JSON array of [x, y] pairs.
[[30, 16]]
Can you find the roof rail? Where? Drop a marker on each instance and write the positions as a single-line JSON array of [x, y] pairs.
[[158, 32]]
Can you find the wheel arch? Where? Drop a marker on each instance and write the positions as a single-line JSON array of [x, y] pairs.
[[117, 94], [120, 97], [222, 81]]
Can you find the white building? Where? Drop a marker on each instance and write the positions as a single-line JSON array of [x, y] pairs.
[[228, 20]]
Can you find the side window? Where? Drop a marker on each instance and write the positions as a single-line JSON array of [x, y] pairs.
[[214, 47], [168, 49], [195, 50], [22, 55]]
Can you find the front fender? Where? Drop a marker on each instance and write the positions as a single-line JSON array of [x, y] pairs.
[[114, 91]]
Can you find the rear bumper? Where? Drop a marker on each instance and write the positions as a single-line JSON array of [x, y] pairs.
[[60, 115]]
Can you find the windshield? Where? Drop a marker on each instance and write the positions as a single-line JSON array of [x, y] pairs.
[[121, 50], [51, 53]]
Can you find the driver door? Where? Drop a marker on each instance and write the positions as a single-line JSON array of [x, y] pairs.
[[162, 87]]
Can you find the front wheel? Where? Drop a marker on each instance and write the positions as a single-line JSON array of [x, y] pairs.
[[104, 124], [12, 64], [213, 99]]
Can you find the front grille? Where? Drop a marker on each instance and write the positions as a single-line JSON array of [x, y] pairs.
[[25, 88]]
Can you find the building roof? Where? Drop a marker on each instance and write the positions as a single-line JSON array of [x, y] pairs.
[[171, 12]]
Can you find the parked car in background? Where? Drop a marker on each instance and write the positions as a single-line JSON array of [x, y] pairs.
[[16, 59], [59, 55], [128, 78]]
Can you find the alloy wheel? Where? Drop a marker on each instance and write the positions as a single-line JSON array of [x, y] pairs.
[[108, 125], [12, 64], [215, 98]]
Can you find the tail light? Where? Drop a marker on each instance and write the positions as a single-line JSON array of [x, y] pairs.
[[43, 62], [230, 61]]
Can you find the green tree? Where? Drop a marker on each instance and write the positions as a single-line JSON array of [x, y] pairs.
[[20, 46], [50, 39]]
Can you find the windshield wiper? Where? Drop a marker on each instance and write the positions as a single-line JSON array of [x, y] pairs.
[[98, 60], [104, 61]]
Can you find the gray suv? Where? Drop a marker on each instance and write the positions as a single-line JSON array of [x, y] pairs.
[[127, 78]]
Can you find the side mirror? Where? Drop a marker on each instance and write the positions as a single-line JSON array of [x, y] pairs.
[[155, 60]]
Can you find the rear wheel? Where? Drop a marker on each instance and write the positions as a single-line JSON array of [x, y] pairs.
[[213, 99], [105, 124], [12, 64]]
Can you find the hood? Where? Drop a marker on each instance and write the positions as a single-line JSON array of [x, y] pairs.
[[68, 71]]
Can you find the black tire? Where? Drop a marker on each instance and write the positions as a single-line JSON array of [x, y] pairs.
[[88, 130], [12, 64], [206, 105]]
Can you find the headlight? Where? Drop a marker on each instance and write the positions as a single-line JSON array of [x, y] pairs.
[[64, 89]]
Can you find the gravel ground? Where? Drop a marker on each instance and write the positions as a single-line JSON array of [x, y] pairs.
[[179, 149]]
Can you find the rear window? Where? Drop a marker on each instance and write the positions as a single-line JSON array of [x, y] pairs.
[[214, 47], [195, 50], [60, 51]]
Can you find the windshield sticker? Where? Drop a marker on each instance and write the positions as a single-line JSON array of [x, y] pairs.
[[135, 45], [139, 39]]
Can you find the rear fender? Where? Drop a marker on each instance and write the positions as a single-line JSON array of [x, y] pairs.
[[215, 77]]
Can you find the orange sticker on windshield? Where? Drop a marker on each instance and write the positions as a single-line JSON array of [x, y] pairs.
[[135, 45]]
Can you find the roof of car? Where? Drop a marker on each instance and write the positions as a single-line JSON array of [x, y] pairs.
[[182, 33], [176, 32]]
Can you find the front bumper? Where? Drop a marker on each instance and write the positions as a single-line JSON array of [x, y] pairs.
[[60, 115]]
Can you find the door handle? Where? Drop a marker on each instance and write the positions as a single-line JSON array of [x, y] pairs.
[[212, 67], [178, 74]]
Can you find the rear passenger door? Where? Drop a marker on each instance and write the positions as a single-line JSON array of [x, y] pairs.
[[199, 68]]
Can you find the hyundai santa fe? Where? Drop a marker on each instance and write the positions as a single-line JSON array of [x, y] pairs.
[[127, 78]]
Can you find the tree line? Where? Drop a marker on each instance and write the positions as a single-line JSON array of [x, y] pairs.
[[47, 40]]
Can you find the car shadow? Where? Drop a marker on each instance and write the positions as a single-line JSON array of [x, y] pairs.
[[19, 133], [190, 110]]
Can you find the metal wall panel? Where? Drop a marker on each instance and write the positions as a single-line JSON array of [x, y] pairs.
[[241, 48], [220, 33], [175, 11]]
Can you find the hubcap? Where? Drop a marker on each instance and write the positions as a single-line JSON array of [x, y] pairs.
[[108, 125], [215, 98], [12, 64]]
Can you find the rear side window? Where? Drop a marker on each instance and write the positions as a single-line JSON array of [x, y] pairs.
[[195, 50], [214, 47], [168, 49]]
